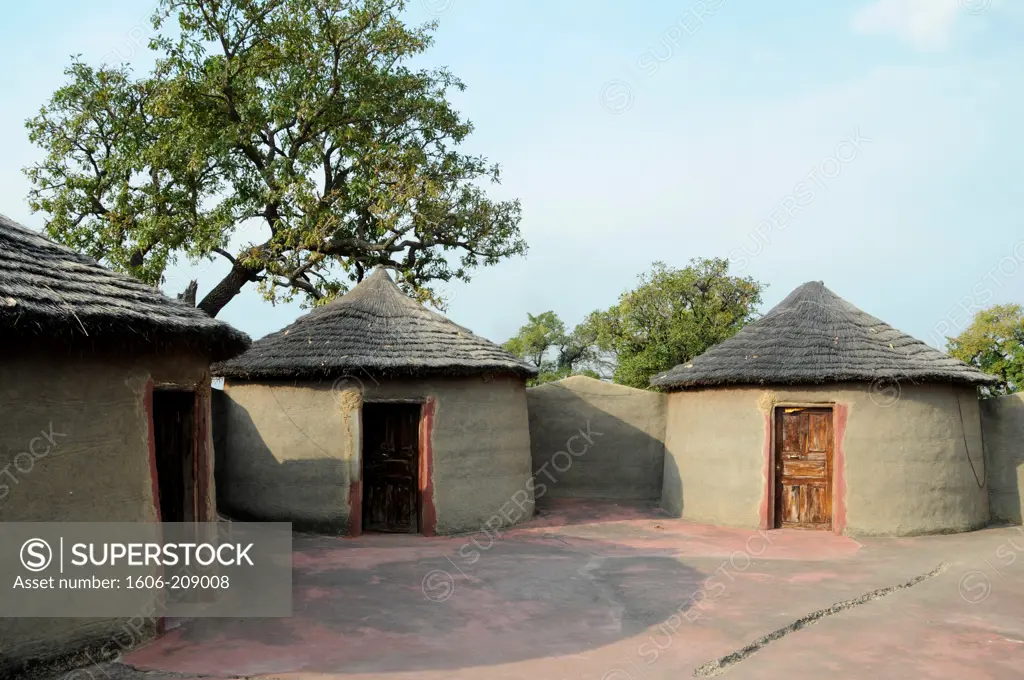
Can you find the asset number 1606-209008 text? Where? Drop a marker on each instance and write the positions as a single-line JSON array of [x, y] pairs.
[[179, 582]]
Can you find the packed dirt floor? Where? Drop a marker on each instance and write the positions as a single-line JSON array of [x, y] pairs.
[[618, 591]]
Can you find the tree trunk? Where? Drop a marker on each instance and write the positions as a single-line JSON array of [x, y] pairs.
[[225, 291]]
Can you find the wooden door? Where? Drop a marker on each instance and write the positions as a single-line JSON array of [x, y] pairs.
[[390, 467], [803, 467]]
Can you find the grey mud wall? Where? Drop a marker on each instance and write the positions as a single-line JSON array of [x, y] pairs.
[[1003, 420], [74, 447], [903, 466], [291, 451], [618, 433]]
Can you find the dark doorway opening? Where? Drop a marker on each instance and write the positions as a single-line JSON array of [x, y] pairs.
[[391, 467], [803, 467], [174, 413]]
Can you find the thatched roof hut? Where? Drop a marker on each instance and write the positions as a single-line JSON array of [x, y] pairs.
[[367, 375], [105, 395], [820, 415], [376, 329], [52, 295], [814, 336]]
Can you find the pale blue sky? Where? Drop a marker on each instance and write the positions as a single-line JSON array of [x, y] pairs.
[[714, 124]]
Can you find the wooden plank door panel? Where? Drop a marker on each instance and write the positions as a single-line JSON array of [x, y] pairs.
[[790, 506], [390, 467], [803, 467]]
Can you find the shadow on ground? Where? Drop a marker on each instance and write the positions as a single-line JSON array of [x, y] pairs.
[[388, 603], [580, 577], [612, 598]]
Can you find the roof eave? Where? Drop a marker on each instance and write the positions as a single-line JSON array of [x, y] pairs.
[[224, 370]]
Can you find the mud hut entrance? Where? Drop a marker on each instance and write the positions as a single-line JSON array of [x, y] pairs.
[[803, 467], [174, 420], [390, 467]]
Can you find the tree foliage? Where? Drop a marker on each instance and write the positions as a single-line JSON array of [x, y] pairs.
[[673, 316], [300, 120], [537, 337], [544, 342], [994, 343]]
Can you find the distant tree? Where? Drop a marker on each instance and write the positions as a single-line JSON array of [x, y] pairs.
[[578, 353], [303, 118], [544, 342], [994, 343], [540, 334], [672, 316]]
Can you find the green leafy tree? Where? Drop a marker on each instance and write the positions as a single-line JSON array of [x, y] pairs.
[[533, 341], [673, 316], [300, 121], [544, 342], [578, 352], [994, 343]]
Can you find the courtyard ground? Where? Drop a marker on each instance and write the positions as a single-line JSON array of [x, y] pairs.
[[608, 591]]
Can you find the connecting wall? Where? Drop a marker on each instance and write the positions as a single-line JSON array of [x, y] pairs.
[[614, 437], [1003, 422]]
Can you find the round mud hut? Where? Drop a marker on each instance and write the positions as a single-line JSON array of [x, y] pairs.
[[819, 415], [105, 396], [372, 413]]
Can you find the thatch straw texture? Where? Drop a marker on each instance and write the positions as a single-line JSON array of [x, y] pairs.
[[377, 330], [815, 336], [51, 295]]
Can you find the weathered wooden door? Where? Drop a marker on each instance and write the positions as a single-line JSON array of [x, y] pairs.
[[390, 467], [803, 467]]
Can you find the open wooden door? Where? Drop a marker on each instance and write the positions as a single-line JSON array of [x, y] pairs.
[[803, 467], [390, 467]]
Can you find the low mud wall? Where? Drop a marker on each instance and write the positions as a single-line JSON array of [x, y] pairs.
[[1002, 420], [615, 435]]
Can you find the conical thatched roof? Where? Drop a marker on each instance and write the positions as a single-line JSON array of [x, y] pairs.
[[51, 295], [374, 329], [815, 336]]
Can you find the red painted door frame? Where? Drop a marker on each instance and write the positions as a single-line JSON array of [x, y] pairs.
[[840, 413], [206, 501], [425, 501], [200, 456], [427, 513]]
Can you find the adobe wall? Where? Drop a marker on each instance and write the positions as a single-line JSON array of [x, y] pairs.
[[1003, 420], [902, 466], [74, 447], [287, 454], [94, 466], [292, 450], [627, 457]]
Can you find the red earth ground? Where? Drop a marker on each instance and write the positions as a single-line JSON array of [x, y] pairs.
[[608, 591]]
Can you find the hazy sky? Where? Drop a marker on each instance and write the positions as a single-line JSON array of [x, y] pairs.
[[870, 144]]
